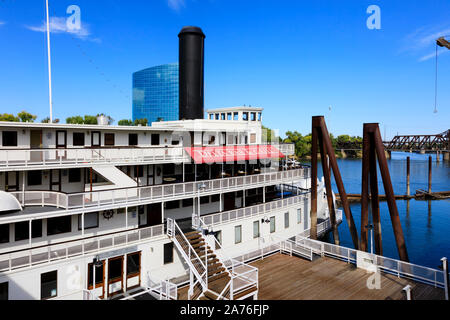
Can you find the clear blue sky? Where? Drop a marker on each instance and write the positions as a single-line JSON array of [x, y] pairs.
[[293, 58]]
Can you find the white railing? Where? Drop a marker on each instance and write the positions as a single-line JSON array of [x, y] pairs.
[[138, 195], [13, 158], [388, 265], [197, 267], [252, 211], [44, 254], [163, 289], [324, 226], [242, 275], [287, 149]]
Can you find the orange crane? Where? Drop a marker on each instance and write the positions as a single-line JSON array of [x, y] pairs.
[[441, 42]]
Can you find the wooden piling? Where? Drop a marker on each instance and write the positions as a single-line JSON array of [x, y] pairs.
[[429, 174], [408, 192]]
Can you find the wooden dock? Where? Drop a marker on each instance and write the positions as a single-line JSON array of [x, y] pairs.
[[282, 277], [420, 195]]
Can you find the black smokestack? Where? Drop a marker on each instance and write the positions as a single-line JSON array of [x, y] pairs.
[[191, 64]]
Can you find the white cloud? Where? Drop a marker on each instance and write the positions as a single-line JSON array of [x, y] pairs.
[[59, 25], [176, 4], [423, 39], [433, 55], [2, 23]]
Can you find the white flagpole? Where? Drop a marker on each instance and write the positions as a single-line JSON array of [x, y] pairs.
[[49, 66]]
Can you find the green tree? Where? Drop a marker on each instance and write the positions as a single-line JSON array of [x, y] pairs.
[[143, 122], [90, 119], [26, 117], [9, 117], [75, 120], [125, 122]]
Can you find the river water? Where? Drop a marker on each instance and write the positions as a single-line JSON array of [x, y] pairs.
[[426, 224]]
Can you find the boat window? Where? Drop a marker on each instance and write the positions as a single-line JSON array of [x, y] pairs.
[[255, 229], [9, 138], [4, 233], [109, 139], [229, 116], [155, 139], [49, 284], [237, 234], [245, 116], [217, 116], [272, 224], [59, 225], [133, 264], [218, 235], [132, 139], [78, 138], [286, 219], [222, 116], [90, 221], [211, 117], [235, 116], [299, 215], [22, 230], [204, 200], [188, 202], [34, 178], [259, 116], [215, 197], [4, 291], [168, 252], [74, 175], [172, 204], [253, 138], [253, 116]]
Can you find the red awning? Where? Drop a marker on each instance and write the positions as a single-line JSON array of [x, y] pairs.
[[233, 153]]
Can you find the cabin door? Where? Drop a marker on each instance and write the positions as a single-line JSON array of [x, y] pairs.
[[55, 180], [115, 276], [99, 279], [61, 143], [36, 143], [95, 139]]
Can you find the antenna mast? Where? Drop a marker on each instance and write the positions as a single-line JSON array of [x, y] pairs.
[[49, 65]]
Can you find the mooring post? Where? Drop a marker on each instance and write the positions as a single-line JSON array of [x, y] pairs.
[[429, 174], [445, 270], [408, 163], [407, 290]]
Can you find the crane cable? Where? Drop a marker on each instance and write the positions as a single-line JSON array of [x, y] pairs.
[[435, 81]]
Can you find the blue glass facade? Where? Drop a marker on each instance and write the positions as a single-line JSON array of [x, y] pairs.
[[155, 93]]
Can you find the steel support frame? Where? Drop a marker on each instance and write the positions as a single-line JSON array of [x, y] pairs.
[[372, 148], [320, 134]]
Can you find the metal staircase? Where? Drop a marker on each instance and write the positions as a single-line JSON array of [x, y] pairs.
[[213, 276]]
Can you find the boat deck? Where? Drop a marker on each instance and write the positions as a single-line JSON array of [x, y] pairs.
[[282, 277]]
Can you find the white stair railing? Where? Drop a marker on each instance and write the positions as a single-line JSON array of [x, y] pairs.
[[196, 265], [238, 271]]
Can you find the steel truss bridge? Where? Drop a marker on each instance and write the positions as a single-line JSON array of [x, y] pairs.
[[435, 142]]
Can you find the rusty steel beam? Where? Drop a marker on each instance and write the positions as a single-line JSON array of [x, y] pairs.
[[375, 201], [327, 175], [318, 123], [395, 219], [313, 230], [365, 191]]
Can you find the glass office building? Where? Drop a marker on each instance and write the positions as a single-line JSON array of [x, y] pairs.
[[155, 93]]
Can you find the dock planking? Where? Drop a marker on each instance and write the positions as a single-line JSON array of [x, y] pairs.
[[282, 277]]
